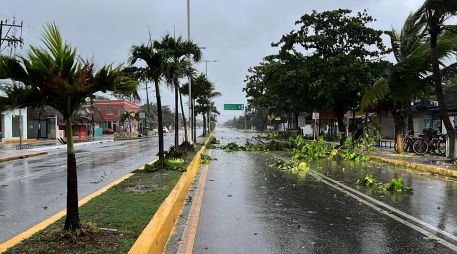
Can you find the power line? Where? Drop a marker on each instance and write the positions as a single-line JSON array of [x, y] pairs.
[[9, 35]]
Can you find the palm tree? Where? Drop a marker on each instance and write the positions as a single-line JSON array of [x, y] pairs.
[[404, 80], [437, 13], [154, 60], [199, 84], [175, 51], [54, 76]]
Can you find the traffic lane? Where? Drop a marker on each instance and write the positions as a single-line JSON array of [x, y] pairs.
[[249, 207], [40, 191], [56, 159], [432, 200]]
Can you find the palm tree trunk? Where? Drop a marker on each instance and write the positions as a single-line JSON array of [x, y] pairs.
[[148, 108], [194, 120], [72, 218], [176, 116], [160, 123], [183, 118], [399, 125], [209, 119], [437, 80], [204, 124]]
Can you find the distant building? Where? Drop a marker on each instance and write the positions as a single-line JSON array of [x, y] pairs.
[[112, 110], [13, 125]]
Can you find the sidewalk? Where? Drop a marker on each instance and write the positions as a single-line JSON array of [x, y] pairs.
[[428, 163], [8, 151], [19, 154]]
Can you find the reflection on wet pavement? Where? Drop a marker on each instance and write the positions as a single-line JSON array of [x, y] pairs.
[[250, 207]]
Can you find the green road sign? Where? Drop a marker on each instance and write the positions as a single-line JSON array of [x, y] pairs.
[[233, 106]]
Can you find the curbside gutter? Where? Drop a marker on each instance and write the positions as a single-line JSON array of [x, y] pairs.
[[417, 166], [22, 156], [155, 236], [42, 225]]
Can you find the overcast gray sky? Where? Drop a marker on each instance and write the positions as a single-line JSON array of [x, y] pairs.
[[237, 33]]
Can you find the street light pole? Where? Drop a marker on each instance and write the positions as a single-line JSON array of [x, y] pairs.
[[189, 78], [206, 65]]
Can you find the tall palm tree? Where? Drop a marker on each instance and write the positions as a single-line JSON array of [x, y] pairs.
[[175, 51], [54, 76], [154, 60], [438, 13], [404, 80], [198, 86]]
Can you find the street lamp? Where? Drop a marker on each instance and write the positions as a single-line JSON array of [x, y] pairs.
[[189, 78], [206, 65]]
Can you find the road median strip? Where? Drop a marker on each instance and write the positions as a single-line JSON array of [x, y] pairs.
[[154, 237], [58, 216]]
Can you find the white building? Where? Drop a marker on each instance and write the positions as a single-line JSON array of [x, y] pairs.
[[10, 125]]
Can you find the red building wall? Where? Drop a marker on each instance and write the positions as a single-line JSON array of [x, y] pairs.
[[115, 105]]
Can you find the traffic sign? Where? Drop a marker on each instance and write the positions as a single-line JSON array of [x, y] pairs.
[[315, 115], [233, 106]]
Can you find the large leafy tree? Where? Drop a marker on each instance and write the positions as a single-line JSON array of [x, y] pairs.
[[176, 66], [342, 46], [54, 76]]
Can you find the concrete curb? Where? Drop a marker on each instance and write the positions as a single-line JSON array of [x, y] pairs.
[[417, 166], [75, 145], [18, 157], [42, 225], [155, 236]]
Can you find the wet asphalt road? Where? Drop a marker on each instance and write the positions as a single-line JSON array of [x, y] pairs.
[[250, 207], [33, 189]]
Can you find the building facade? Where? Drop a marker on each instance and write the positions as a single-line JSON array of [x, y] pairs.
[[13, 125], [112, 110]]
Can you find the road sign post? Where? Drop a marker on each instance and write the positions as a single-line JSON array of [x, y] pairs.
[[315, 118]]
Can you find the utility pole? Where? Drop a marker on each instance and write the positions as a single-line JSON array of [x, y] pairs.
[[209, 108], [191, 108], [8, 34]]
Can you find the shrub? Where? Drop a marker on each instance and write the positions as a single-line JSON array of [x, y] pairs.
[[175, 153], [186, 146]]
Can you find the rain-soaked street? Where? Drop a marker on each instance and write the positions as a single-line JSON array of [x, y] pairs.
[[33, 189], [250, 207]]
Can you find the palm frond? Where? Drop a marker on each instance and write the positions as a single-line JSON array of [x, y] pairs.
[[375, 94]]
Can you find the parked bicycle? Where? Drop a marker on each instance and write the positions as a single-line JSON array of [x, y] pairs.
[[430, 141], [408, 141]]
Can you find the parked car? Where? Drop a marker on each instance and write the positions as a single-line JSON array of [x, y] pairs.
[[165, 130]]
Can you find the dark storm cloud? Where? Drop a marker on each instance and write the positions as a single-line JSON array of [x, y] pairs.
[[237, 33]]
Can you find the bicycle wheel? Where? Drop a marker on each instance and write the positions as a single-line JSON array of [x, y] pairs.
[[420, 146], [440, 148], [409, 144]]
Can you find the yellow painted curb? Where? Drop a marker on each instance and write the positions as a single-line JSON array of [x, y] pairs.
[[417, 166], [15, 141], [155, 235], [18, 157], [42, 225]]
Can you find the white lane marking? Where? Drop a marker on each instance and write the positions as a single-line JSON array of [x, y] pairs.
[[408, 216], [358, 196], [407, 223]]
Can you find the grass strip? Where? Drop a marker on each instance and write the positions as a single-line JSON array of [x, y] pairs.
[[111, 222], [123, 211]]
